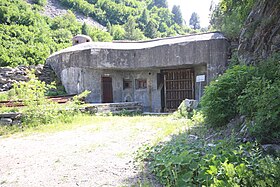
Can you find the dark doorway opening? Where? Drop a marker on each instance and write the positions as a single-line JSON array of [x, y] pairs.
[[178, 85], [107, 89]]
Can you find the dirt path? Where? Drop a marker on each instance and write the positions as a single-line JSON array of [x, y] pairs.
[[86, 156]]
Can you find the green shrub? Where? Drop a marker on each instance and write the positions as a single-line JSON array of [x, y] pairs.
[[260, 101], [4, 96], [183, 161], [38, 109], [219, 102]]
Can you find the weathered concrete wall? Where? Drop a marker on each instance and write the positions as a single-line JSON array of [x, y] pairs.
[[212, 52], [76, 80], [81, 67]]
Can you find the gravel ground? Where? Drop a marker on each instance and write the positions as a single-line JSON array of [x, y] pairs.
[[85, 156]]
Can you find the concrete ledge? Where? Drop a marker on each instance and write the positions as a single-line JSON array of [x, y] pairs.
[[114, 107]]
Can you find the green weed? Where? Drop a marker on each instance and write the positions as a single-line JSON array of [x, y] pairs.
[[183, 161]]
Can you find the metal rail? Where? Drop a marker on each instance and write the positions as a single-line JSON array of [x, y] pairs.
[[20, 103]]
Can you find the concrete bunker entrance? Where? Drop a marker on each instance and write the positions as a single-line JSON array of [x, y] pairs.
[[178, 84]]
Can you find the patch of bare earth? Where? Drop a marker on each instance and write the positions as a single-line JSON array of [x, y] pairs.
[[86, 156]]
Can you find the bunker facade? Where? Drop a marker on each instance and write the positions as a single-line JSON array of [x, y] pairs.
[[158, 73]]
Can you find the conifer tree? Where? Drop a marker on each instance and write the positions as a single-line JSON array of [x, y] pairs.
[[178, 18], [151, 29], [131, 32], [195, 21], [109, 27], [85, 30], [160, 3], [143, 20]]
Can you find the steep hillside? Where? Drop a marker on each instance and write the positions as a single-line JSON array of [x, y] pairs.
[[253, 24], [30, 30], [54, 8], [260, 36]]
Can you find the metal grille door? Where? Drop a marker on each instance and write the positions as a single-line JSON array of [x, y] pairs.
[[178, 85]]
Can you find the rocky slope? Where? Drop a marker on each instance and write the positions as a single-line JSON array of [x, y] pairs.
[[54, 8], [260, 36], [9, 76]]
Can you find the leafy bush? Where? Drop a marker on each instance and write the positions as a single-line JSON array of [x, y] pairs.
[[183, 161], [260, 101], [38, 109], [80, 99], [219, 102]]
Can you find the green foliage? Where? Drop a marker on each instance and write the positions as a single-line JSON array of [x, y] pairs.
[[39, 110], [131, 32], [97, 34], [28, 38], [80, 99], [80, 5], [183, 112], [159, 3], [183, 161], [194, 21], [117, 32], [219, 102], [143, 20], [260, 101], [229, 16], [253, 92], [151, 29], [32, 93], [67, 21], [178, 18], [118, 13]]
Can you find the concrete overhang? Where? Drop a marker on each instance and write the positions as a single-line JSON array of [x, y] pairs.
[[138, 45]]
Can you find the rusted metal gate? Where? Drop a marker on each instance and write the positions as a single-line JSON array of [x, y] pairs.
[[178, 85], [107, 96]]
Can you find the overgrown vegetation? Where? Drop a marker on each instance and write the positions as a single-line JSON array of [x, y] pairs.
[[260, 101], [27, 37], [219, 101], [151, 18], [229, 16], [38, 109], [187, 161], [253, 92], [202, 156]]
